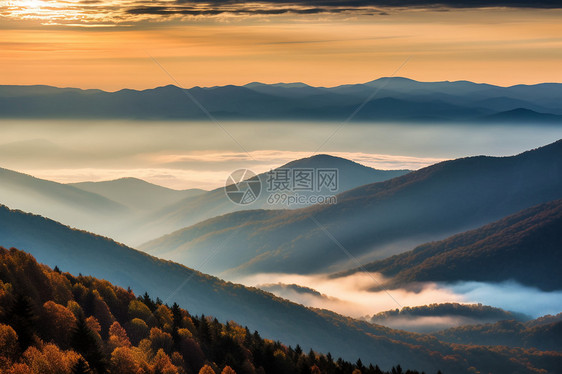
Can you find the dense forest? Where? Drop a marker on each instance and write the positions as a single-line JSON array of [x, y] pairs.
[[524, 247], [477, 311], [544, 335], [54, 322]]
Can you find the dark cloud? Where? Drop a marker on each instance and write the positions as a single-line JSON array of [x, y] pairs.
[[243, 7], [163, 10], [547, 4]]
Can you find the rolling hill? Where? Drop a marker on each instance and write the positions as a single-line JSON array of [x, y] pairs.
[[68, 204], [136, 194], [434, 317], [373, 221], [511, 333], [60, 312], [524, 247], [81, 252], [214, 203]]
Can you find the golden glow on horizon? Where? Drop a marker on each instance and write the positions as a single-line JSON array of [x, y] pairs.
[[495, 46]]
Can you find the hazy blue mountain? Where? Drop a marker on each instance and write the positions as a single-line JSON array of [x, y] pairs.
[[215, 203], [396, 99], [82, 252], [375, 220], [523, 115], [524, 247], [137, 194], [68, 204]]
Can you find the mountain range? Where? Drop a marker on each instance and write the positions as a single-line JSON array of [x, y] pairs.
[[83, 253], [393, 99], [511, 206], [193, 210], [133, 211], [522, 247], [372, 221]]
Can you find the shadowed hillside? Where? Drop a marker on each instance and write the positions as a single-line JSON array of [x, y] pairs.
[[215, 203], [524, 247], [375, 220], [81, 252], [53, 322]]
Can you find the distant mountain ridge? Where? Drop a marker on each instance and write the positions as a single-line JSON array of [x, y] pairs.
[[374, 220], [132, 210], [137, 194], [397, 99], [192, 210], [62, 202], [525, 247]]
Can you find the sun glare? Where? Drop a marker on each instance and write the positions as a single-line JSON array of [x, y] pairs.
[[32, 3]]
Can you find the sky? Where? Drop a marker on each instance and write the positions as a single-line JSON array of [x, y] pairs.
[[114, 44]]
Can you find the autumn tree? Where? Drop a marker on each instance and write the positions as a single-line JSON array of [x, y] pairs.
[[163, 364], [49, 359], [228, 370], [117, 337], [160, 340], [137, 330], [123, 361], [206, 369], [57, 322], [8, 346]]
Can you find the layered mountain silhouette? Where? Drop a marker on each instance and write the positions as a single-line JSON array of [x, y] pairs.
[[137, 194], [134, 211], [214, 203], [82, 252], [372, 221], [396, 99], [324, 331], [524, 247], [103, 207], [68, 204]]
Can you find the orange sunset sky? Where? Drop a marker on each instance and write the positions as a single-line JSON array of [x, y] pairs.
[[107, 44]]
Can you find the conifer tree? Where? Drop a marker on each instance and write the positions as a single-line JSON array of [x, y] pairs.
[[22, 318], [84, 342], [81, 367]]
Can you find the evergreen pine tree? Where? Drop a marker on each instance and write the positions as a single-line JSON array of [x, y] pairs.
[[81, 367], [148, 301], [176, 313], [84, 342], [22, 319], [359, 365]]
